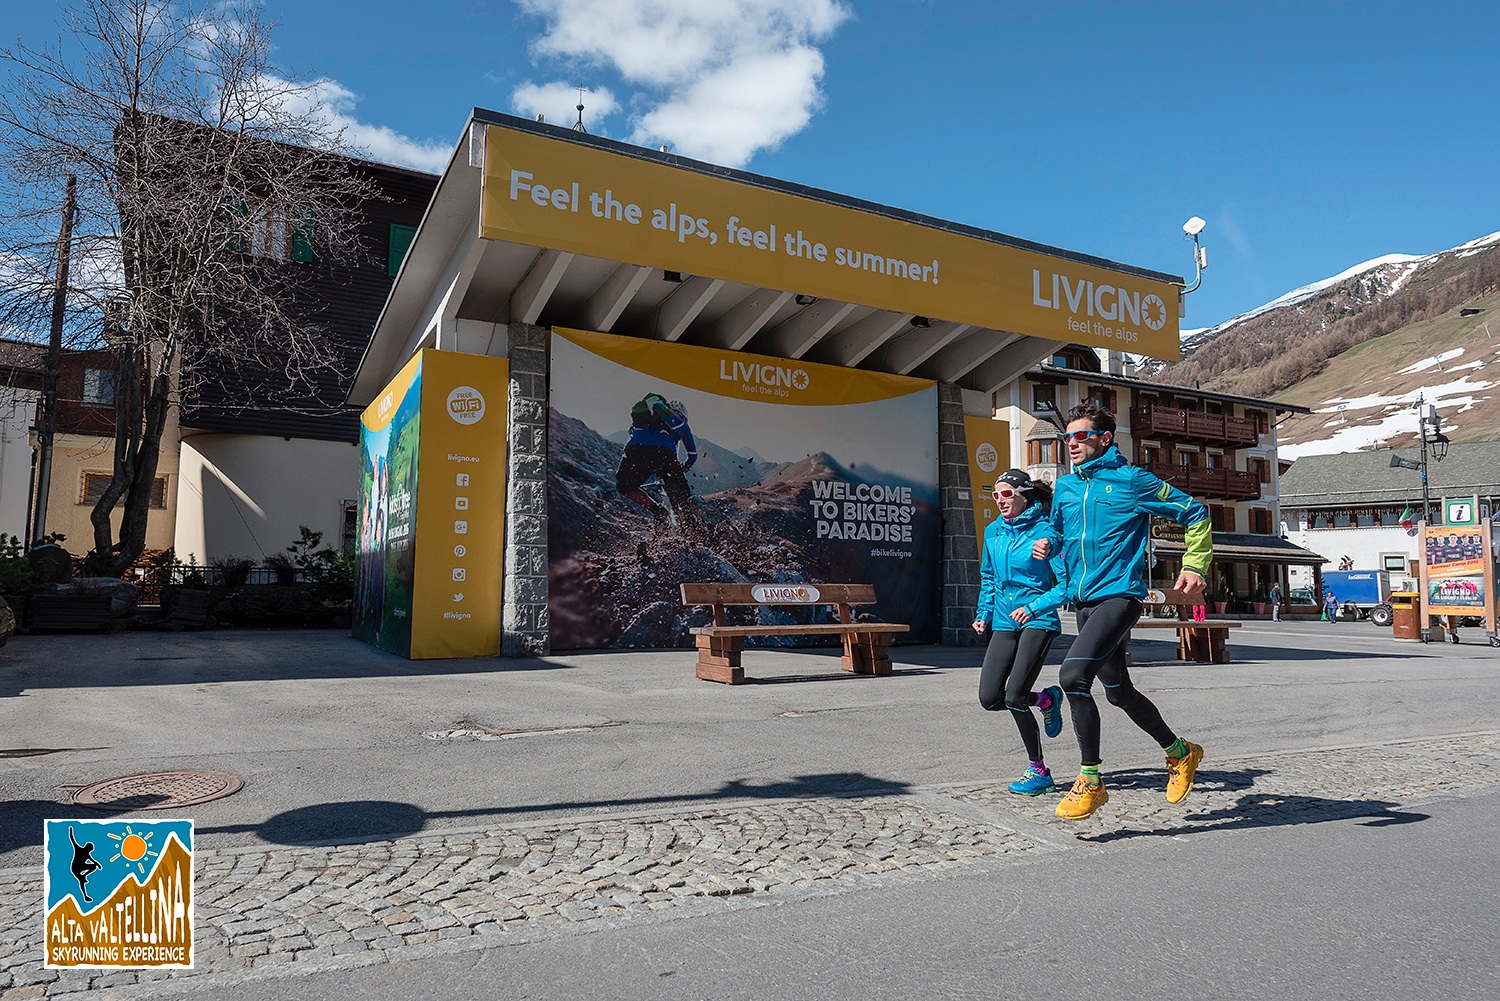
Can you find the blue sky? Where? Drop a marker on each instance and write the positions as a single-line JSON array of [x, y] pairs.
[[1311, 137]]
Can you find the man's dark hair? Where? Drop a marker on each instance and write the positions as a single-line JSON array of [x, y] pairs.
[[1102, 419]]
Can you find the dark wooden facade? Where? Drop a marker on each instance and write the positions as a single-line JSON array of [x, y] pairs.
[[345, 298]]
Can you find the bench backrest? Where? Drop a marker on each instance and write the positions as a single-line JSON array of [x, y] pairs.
[[744, 594], [719, 595]]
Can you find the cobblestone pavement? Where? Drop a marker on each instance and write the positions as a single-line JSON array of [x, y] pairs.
[[279, 911]]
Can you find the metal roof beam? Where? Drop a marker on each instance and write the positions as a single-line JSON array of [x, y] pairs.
[[903, 354], [858, 341], [612, 296], [793, 338], [682, 306], [1009, 364], [531, 295], [744, 319], [967, 355]]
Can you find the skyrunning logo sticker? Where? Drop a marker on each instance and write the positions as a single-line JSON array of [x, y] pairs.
[[466, 405], [119, 894]]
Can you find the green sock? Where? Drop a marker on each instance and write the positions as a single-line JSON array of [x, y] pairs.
[[1177, 749], [1090, 774]]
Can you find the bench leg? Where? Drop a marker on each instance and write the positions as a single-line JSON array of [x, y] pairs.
[[867, 653], [1218, 649], [719, 659]]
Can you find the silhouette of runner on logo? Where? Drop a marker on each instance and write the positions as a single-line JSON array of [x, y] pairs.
[[84, 865]]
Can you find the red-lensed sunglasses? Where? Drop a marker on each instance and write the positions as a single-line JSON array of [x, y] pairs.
[[1080, 436], [1004, 493]]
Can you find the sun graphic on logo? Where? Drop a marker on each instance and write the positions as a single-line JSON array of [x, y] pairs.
[[1154, 312], [799, 379], [133, 847]]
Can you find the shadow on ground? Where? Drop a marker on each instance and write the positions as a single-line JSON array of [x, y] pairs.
[[373, 820], [1251, 809]]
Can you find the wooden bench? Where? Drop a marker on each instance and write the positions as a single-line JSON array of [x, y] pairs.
[[866, 644], [1205, 642]]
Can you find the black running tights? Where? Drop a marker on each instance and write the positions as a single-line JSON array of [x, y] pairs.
[[1099, 652], [1012, 662]]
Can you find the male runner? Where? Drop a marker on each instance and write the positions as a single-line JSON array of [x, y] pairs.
[[1103, 513]]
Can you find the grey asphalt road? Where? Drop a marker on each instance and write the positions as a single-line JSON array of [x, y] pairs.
[[1345, 910], [340, 744]]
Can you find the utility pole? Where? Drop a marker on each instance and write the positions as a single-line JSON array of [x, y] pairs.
[[54, 361]]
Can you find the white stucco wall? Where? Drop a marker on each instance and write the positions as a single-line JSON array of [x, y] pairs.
[[1365, 546], [17, 411], [246, 495]]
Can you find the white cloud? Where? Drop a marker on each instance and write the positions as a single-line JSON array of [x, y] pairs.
[[721, 79], [333, 103], [558, 102]]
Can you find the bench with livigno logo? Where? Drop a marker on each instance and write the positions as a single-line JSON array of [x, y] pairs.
[[867, 645]]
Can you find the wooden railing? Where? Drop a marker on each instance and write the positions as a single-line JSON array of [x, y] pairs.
[[1219, 484], [1172, 422]]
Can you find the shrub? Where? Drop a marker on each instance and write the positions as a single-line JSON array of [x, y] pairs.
[[282, 566], [234, 571]]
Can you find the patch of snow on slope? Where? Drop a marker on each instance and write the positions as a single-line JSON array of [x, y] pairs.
[[1352, 436], [1308, 291], [1426, 363]]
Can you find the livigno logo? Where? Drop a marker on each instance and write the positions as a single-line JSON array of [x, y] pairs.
[[119, 893], [466, 405], [986, 456], [784, 594]]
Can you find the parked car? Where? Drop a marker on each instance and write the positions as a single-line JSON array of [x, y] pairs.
[[1300, 596]]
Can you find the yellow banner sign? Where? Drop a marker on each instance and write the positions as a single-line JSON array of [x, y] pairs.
[[460, 526], [746, 376], [989, 456], [556, 193]]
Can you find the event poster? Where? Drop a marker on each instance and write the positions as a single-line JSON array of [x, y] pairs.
[[1456, 569], [432, 509], [671, 463]]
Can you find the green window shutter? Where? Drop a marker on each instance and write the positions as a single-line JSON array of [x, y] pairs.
[[400, 243], [302, 245], [239, 223]]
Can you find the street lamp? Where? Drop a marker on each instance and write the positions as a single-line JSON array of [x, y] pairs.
[[1426, 414]]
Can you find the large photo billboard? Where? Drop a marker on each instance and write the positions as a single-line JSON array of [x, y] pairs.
[[671, 463], [432, 509]]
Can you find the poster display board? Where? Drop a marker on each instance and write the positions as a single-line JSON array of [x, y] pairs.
[[766, 471], [1458, 571], [432, 509], [989, 456]]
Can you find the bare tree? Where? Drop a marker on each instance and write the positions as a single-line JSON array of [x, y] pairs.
[[205, 175]]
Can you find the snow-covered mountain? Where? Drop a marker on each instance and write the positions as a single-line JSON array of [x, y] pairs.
[[1359, 347]]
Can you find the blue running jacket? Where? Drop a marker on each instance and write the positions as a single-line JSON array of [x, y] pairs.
[[1009, 578], [1103, 513]]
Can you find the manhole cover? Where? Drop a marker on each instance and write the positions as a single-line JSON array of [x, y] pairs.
[[158, 790]]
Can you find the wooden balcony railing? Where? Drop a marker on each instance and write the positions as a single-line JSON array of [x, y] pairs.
[[1174, 423], [1218, 484]]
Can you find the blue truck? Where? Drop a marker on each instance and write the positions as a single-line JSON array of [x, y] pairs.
[[1362, 594]]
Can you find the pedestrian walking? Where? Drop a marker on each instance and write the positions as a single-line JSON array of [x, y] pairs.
[[1102, 512], [1330, 606], [1018, 599]]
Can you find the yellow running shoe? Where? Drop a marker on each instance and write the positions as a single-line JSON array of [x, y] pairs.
[[1082, 800], [1180, 772]]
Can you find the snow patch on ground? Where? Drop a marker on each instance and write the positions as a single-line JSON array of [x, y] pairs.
[[1427, 363], [1393, 416]]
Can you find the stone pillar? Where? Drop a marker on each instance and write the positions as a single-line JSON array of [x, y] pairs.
[[960, 560], [525, 620]]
